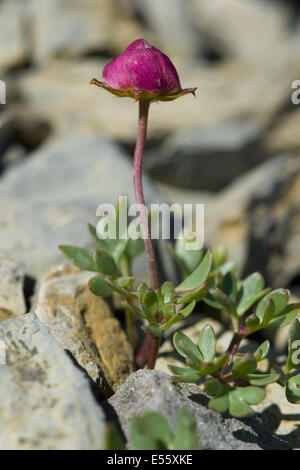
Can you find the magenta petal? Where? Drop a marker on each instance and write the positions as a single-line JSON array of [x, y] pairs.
[[143, 72], [142, 67], [152, 71]]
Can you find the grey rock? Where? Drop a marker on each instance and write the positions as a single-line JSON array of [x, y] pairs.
[[257, 220], [57, 308], [12, 302], [152, 390], [84, 325], [231, 147], [14, 45], [240, 28], [45, 401], [71, 27], [48, 199], [165, 19]]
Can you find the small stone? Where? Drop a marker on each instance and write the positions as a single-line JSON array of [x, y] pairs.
[[12, 302], [45, 401]]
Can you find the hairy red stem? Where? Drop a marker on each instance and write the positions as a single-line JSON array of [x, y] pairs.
[[149, 349]]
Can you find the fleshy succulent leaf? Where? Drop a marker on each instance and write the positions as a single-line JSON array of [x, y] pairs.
[[81, 257], [252, 289], [207, 343], [198, 276], [99, 287], [293, 360], [106, 264]]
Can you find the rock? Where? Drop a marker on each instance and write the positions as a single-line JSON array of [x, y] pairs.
[[279, 416], [45, 401], [245, 29], [14, 44], [57, 307], [165, 19], [152, 390], [111, 341], [284, 136], [12, 302], [232, 147], [84, 325], [48, 199], [70, 28], [256, 219]]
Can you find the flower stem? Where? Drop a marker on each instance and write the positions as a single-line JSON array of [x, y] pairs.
[[138, 190], [149, 349]]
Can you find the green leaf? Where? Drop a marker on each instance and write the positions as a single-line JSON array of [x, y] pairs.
[[134, 311], [229, 286], [154, 330], [262, 351], [199, 276], [280, 298], [150, 301], [223, 300], [127, 294], [287, 315], [99, 287], [215, 388], [253, 322], [237, 405], [220, 404], [135, 247], [100, 244], [251, 291], [168, 292], [186, 348], [185, 431], [292, 390], [207, 343], [106, 264], [113, 438], [268, 313], [150, 432], [81, 257], [252, 395], [187, 259], [293, 360], [186, 311], [244, 365], [125, 281], [227, 267], [195, 294], [262, 379], [168, 311], [219, 255], [184, 374]]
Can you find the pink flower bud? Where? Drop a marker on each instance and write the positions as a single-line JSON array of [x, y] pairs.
[[142, 72]]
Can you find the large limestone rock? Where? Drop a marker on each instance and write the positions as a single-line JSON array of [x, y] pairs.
[[12, 302], [45, 401], [152, 390], [84, 325]]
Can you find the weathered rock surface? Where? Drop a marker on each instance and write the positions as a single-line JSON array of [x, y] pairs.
[[48, 199], [152, 390], [45, 401], [12, 302], [84, 325], [257, 220], [14, 46], [182, 159]]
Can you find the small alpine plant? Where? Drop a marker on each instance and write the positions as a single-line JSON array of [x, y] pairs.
[[234, 379]]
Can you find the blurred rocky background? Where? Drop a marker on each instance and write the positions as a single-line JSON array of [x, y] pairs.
[[66, 147]]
